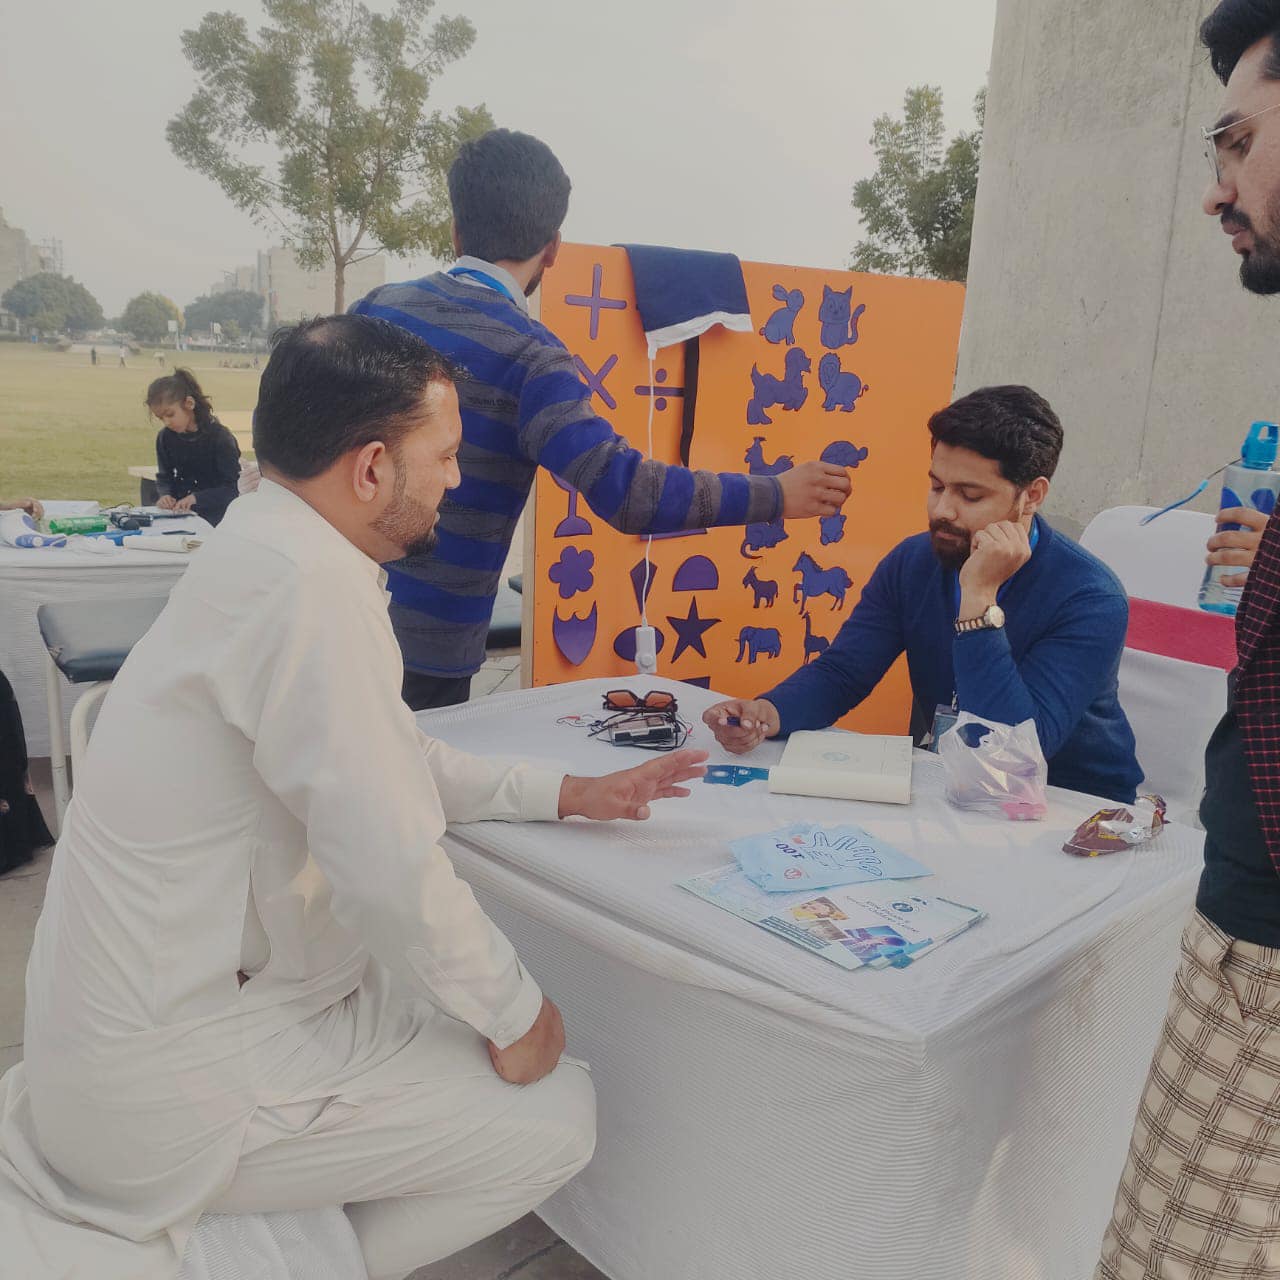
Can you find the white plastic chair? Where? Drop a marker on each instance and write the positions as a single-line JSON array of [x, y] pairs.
[[1173, 707], [1162, 561], [313, 1244]]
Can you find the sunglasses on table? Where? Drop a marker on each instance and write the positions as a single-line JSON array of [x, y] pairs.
[[655, 700]]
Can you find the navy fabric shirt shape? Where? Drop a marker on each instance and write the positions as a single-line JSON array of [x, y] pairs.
[[1056, 661]]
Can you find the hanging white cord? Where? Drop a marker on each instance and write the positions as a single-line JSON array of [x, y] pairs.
[[648, 542]]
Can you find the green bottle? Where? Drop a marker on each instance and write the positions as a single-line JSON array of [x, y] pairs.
[[79, 524]]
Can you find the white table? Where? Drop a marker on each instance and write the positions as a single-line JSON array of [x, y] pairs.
[[764, 1113], [30, 578]]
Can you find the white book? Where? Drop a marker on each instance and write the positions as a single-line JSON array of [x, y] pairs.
[[844, 766]]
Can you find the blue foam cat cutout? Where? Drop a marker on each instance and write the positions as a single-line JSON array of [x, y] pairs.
[[839, 318]]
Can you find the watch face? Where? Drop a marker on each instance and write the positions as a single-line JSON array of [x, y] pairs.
[[994, 616]]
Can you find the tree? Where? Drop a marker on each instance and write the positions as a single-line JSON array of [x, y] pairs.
[[51, 303], [918, 208], [147, 317], [239, 306], [352, 176], [230, 330]]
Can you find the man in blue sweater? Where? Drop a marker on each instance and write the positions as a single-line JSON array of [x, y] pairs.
[[999, 615], [524, 407]]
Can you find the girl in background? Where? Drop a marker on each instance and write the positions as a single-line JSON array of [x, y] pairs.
[[197, 458]]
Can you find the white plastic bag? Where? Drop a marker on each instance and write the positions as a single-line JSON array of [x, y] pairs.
[[995, 768]]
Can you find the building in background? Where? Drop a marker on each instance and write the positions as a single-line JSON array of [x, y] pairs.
[[20, 258], [294, 292], [290, 291], [1094, 276], [241, 280]]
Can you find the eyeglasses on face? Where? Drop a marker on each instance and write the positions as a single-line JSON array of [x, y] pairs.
[[1211, 137]]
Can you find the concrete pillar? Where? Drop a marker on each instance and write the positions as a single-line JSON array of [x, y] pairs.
[[1095, 278]]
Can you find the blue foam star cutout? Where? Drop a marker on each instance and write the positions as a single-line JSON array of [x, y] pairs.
[[690, 630]]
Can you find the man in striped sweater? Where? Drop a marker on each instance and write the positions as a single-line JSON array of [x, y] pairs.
[[525, 407]]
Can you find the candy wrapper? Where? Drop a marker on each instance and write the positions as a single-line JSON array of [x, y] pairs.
[[1110, 830], [995, 768]]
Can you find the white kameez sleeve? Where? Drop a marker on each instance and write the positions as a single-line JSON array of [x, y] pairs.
[[474, 789], [312, 678]]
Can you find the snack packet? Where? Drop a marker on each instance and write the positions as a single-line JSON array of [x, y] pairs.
[[1110, 830]]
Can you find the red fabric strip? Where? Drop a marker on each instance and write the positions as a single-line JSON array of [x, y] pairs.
[[1207, 639]]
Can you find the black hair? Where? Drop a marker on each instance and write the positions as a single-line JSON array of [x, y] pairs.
[[174, 388], [338, 383], [509, 196], [1011, 425], [1234, 27]]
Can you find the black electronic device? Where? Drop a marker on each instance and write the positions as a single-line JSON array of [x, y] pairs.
[[656, 732]]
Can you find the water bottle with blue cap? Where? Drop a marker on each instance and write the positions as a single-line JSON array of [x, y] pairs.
[[1253, 482]]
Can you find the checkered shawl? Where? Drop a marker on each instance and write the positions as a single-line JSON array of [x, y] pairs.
[[1257, 698]]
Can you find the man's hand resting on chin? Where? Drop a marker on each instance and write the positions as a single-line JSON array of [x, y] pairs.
[[629, 793]]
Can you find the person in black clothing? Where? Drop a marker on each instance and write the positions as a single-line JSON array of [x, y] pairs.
[[22, 828], [197, 458]]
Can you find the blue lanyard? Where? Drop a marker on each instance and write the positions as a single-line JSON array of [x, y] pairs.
[[1033, 537], [485, 279]]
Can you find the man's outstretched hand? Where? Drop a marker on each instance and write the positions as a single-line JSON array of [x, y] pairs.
[[813, 489], [629, 793]]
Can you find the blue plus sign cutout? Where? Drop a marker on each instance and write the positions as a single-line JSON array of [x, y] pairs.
[[595, 300]]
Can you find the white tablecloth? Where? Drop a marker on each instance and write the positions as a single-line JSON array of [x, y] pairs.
[[30, 578], [764, 1113]]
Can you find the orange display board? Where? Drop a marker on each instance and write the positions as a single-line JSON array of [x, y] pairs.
[[842, 365]]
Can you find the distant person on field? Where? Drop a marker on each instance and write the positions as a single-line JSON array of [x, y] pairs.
[[124, 353], [93, 355], [197, 458]]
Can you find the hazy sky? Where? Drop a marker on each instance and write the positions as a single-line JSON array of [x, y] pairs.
[[717, 124]]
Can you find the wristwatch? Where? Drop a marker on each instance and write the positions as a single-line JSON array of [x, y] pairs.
[[991, 620]]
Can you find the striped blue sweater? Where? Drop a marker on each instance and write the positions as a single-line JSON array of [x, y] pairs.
[[524, 407]]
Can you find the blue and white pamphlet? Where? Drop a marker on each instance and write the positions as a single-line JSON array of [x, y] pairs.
[[805, 855], [874, 926]]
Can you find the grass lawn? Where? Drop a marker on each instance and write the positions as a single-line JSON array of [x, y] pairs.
[[69, 430]]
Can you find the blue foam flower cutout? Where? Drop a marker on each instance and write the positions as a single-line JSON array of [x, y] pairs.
[[572, 572]]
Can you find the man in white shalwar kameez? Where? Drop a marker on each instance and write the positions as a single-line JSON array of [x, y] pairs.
[[257, 983]]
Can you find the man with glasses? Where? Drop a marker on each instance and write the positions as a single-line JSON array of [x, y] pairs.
[[1200, 1193]]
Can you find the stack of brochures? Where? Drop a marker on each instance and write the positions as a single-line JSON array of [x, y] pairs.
[[805, 855], [874, 925]]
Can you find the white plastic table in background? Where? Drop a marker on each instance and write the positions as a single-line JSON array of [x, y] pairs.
[[764, 1113], [30, 578]]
